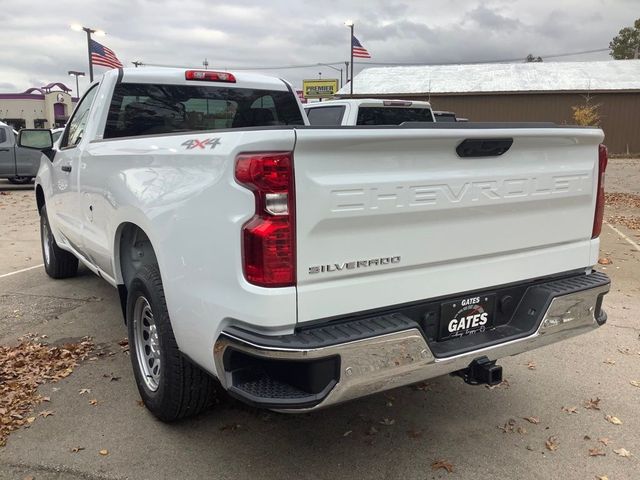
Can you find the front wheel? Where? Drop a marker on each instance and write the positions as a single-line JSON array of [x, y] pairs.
[[58, 263], [171, 386], [20, 180]]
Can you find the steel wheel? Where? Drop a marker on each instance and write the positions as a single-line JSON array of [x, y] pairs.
[[147, 344]]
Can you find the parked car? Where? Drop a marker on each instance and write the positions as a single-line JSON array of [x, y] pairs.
[[17, 164], [305, 266], [367, 111]]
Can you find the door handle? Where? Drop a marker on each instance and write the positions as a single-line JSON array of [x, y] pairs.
[[65, 168]]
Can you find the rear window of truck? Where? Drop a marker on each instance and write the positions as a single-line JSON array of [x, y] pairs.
[[392, 115], [147, 109]]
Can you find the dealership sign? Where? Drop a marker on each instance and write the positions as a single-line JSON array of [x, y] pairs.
[[319, 88]]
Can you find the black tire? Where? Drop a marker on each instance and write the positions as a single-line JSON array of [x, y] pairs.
[[58, 263], [182, 389], [20, 180]]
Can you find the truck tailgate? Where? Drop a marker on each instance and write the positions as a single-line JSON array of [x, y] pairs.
[[394, 215]]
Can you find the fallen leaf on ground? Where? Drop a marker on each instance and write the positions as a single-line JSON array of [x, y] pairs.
[[531, 365], [504, 383], [46, 399], [414, 433], [592, 404], [24, 367], [347, 433], [635, 383], [522, 430], [82, 391], [602, 477], [232, 427], [612, 419], [610, 361], [111, 377], [442, 464], [596, 452], [586, 437], [605, 261], [604, 440], [28, 477], [372, 431], [570, 409], [104, 452], [423, 386], [77, 449], [46, 413], [124, 342], [93, 402], [551, 443], [623, 452], [140, 403], [387, 421], [534, 420]]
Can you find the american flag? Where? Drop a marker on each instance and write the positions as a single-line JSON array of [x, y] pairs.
[[101, 55], [358, 50]]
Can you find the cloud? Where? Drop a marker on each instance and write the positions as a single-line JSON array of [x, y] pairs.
[[39, 47]]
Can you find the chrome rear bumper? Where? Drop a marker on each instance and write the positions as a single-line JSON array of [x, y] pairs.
[[392, 360]]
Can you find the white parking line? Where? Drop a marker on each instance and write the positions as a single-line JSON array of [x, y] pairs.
[[623, 236], [20, 271]]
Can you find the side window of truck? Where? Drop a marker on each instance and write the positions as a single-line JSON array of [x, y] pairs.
[[3, 135], [76, 126], [325, 115]]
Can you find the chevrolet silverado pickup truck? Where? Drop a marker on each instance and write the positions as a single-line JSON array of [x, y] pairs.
[[367, 111], [303, 266]]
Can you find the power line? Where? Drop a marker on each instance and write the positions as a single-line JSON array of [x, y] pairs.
[[506, 60], [408, 64]]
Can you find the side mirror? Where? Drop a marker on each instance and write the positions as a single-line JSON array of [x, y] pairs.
[[37, 139]]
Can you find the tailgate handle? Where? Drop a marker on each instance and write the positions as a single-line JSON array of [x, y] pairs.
[[483, 147]]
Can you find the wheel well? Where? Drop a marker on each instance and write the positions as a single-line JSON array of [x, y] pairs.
[[39, 198], [134, 250]]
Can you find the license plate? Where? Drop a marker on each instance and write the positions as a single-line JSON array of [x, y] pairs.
[[466, 316]]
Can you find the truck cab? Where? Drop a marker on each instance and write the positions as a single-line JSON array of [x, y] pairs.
[[368, 111]]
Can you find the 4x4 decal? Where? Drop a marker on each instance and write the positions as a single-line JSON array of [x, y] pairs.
[[195, 143]]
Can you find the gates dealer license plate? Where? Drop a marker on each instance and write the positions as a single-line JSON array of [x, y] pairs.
[[466, 316]]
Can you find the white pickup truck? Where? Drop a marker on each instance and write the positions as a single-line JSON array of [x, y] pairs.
[[367, 111], [305, 266]]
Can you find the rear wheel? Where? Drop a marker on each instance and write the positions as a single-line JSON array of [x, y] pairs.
[[171, 386], [58, 263], [20, 180]]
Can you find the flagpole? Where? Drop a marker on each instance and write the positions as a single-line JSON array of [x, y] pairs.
[[89, 32], [351, 47]]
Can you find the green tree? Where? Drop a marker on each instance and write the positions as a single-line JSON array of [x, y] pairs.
[[531, 59], [627, 43]]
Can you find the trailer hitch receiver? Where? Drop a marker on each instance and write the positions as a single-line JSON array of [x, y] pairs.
[[481, 371]]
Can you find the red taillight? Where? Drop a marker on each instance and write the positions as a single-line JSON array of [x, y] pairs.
[[268, 238], [603, 159], [209, 76]]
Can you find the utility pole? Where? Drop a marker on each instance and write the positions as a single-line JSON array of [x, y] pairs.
[[76, 74], [205, 64]]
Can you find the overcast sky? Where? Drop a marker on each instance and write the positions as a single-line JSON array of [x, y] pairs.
[[38, 47]]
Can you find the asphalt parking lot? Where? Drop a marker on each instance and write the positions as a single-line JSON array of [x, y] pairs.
[[479, 432]]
